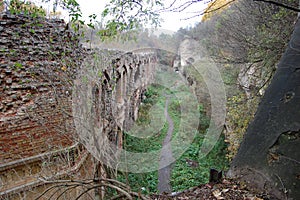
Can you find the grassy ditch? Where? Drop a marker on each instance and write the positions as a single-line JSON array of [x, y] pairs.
[[188, 170]]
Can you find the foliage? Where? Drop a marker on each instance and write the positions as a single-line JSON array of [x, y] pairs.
[[243, 33], [238, 121], [215, 7], [245, 37], [128, 15], [183, 175], [26, 8], [271, 40], [145, 180]]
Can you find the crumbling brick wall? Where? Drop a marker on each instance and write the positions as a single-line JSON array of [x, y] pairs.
[[36, 61], [39, 60]]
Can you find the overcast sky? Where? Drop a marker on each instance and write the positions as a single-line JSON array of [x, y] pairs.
[[172, 21]]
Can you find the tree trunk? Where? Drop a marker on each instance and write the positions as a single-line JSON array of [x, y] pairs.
[[269, 155]]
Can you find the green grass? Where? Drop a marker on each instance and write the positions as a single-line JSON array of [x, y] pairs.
[[183, 176]]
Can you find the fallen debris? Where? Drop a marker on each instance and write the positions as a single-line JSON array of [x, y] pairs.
[[226, 189]]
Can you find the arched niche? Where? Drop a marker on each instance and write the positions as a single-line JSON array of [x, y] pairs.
[[119, 88], [96, 107], [106, 76], [104, 95], [137, 74], [124, 79]]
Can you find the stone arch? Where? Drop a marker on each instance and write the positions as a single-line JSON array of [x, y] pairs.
[[106, 76], [137, 74], [104, 87], [96, 108], [135, 102], [119, 88], [131, 77], [119, 138], [124, 79]]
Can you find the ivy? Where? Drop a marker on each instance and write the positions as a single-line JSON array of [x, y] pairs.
[[237, 121]]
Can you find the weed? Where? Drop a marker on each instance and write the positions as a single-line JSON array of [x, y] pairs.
[[184, 174]]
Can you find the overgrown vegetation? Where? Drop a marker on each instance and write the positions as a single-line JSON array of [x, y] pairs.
[[246, 35], [189, 170], [26, 8], [247, 40]]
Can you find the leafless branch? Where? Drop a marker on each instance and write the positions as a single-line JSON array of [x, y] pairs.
[[88, 184], [181, 7], [280, 4], [170, 6], [209, 10]]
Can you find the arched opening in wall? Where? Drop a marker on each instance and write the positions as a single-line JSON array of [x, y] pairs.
[[119, 138], [125, 95], [147, 68], [124, 83], [116, 136], [106, 76], [105, 93], [103, 97], [113, 135], [119, 88], [137, 74], [131, 77], [135, 102], [96, 108]]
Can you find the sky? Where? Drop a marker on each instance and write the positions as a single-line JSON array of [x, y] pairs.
[[172, 21]]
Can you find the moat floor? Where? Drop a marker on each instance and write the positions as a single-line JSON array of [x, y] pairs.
[[227, 190]]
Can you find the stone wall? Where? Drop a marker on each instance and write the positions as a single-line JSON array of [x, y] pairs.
[[39, 61]]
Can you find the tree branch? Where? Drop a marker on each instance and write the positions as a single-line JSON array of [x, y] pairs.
[[280, 4], [180, 7], [208, 10]]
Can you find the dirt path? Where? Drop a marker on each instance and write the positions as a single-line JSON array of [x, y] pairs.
[[166, 157]]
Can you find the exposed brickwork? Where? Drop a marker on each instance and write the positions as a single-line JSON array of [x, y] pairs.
[[39, 60], [33, 72], [114, 99]]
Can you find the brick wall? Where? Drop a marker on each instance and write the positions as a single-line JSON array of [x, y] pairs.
[[35, 60], [39, 61], [38, 58]]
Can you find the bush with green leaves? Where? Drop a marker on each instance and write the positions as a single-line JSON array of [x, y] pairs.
[[26, 8]]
